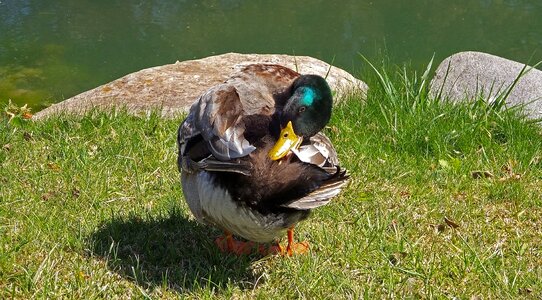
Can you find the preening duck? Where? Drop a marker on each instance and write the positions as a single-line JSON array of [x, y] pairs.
[[251, 157]]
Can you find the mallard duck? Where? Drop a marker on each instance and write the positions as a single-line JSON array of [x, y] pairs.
[[251, 157]]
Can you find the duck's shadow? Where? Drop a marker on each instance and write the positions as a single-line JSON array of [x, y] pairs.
[[169, 252]]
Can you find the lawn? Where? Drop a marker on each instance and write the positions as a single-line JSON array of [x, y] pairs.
[[444, 201]]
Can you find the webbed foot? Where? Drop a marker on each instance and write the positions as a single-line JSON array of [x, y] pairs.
[[291, 249], [228, 244]]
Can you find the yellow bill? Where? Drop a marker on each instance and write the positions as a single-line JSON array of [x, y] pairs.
[[287, 140]]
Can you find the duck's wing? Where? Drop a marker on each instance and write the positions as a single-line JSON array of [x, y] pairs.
[[323, 194], [217, 121], [217, 118]]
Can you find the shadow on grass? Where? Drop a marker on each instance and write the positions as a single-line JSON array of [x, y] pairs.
[[170, 252]]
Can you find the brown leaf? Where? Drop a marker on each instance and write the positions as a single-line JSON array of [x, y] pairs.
[[482, 174], [47, 196], [53, 166], [451, 223], [76, 193], [404, 194]]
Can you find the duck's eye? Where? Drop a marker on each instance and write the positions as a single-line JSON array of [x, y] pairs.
[[302, 109]]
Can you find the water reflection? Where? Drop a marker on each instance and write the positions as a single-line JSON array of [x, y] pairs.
[[51, 50]]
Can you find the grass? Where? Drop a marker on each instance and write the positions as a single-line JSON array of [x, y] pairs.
[[445, 201]]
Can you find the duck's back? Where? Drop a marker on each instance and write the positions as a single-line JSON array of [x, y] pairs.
[[261, 87], [245, 102]]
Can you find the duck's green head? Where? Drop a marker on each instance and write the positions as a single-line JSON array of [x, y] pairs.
[[306, 112]]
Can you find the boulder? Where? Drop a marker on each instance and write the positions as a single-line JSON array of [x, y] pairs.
[[466, 75], [173, 88]]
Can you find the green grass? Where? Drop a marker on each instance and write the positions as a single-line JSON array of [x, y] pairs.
[[445, 201]]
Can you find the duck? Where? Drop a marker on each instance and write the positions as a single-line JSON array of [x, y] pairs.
[[253, 160]]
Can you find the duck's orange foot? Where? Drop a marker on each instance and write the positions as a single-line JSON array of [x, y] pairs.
[[297, 248], [293, 247], [227, 244]]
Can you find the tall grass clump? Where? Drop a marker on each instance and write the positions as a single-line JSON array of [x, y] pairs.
[[400, 115]]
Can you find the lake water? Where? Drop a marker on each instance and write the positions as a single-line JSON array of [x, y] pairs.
[[51, 50]]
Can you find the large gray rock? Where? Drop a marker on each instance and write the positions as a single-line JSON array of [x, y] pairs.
[[173, 88], [466, 75]]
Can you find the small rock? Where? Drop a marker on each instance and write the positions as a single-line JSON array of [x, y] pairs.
[[466, 75]]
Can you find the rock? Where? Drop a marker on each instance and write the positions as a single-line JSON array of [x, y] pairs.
[[466, 75], [173, 88]]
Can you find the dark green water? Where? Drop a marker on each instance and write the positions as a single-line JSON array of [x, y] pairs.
[[52, 50]]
